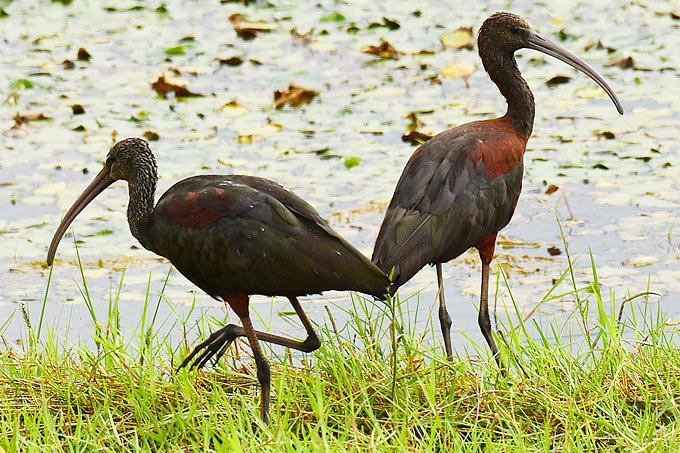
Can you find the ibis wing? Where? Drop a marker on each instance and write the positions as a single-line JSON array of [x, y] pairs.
[[303, 209], [288, 198], [245, 235], [453, 192]]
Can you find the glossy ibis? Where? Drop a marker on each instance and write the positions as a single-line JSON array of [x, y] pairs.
[[460, 188], [233, 236]]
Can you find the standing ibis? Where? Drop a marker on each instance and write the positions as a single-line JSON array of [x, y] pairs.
[[461, 187], [233, 236]]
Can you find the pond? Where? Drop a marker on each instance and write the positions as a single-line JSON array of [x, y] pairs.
[[77, 77]]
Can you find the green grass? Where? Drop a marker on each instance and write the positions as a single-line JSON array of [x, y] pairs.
[[612, 384]]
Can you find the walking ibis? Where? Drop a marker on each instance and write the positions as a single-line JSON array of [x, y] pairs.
[[461, 187], [234, 236]]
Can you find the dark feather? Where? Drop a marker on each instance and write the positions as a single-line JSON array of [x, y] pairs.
[[452, 193], [254, 236]]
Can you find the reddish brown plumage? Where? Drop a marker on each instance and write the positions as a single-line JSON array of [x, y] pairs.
[[501, 153], [188, 213]]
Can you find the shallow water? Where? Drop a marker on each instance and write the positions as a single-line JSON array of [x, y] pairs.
[[623, 193]]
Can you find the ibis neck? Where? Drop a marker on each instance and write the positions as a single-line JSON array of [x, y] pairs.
[[142, 187], [503, 71]]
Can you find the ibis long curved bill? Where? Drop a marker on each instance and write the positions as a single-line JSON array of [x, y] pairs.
[[538, 42], [97, 186]]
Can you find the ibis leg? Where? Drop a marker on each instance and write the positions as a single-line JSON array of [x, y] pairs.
[[263, 370], [218, 342], [484, 321], [444, 318], [486, 249]]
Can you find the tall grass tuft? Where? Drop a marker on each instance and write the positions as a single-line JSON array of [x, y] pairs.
[[376, 384]]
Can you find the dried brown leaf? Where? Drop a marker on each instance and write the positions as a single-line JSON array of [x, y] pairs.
[[246, 29], [552, 188], [162, 87], [554, 251], [383, 50], [294, 96], [151, 136], [623, 63], [415, 122], [599, 46], [231, 61], [20, 119], [83, 55], [302, 38], [416, 137]]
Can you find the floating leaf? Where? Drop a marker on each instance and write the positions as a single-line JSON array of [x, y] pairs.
[[415, 123], [141, 116], [460, 38], [590, 92], [247, 29], [599, 46], [606, 134], [258, 133], [231, 61], [20, 119], [151, 136], [415, 137], [557, 80], [176, 50], [388, 23], [294, 95], [383, 50], [554, 251], [352, 162], [84, 55], [562, 35], [552, 188], [162, 87], [459, 70], [623, 63], [323, 153], [20, 84], [332, 17], [353, 29], [232, 109]]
